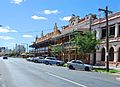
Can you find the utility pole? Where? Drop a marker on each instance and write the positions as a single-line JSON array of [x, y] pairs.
[[106, 11]]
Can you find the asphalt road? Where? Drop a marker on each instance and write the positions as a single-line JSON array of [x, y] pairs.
[[16, 72]]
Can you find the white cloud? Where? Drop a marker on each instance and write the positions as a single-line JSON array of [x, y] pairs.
[[6, 37], [13, 31], [67, 18], [27, 36], [18, 2], [10, 43], [35, 17], [50, 11], [6, 30]]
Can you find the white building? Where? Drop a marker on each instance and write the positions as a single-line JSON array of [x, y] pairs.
[[99, 25]]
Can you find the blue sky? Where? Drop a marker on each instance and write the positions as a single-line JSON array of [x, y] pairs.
[[22, 20]]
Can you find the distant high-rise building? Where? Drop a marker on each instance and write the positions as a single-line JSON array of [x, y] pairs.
[[19, 48], [5, 50]]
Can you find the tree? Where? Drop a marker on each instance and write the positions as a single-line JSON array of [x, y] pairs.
[[84, 42], [56, 49]]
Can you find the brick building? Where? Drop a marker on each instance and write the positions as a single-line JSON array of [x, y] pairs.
[[42, 44]]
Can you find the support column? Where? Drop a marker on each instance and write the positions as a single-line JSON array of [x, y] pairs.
[[116, 29], [115, 56], [98, 33]]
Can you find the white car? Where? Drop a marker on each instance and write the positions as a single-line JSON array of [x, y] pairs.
[[53, 60], [39, 59], [79, 65], [30, 59]]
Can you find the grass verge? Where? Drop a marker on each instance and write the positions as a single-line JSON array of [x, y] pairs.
[[104, 70]]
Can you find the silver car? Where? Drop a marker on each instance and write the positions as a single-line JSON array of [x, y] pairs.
[[39, 59], [79, 65], [53, 60], [30, 59]]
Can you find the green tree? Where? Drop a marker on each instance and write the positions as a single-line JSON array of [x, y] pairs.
[[56, 49], [84, 42]]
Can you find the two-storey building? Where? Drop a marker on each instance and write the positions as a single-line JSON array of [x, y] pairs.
[[41, 44], [63, 38], [99, 25]]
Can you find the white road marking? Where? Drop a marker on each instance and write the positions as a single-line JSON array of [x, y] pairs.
[[66, 80], [118, 78]]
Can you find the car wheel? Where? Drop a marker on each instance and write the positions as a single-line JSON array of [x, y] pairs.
[[36, 61], [58, 64], [71, 67], [87, 69], [46, 62]]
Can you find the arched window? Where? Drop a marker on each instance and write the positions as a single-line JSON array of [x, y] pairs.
[[111, 54], [119, 55], [103, 54]]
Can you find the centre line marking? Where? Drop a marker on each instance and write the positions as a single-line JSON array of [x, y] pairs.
[[66, 79]]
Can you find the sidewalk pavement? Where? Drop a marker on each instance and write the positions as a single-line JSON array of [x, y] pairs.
[[111, 67]]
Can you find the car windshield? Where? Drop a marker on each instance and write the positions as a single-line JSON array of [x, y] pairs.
[[79, 62]]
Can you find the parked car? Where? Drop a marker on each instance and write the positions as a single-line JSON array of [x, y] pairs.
[[5, 57], [30, 59], [79, 65], [39, 59], [53, 60]]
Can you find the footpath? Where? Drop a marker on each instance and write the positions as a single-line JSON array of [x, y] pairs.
[[110, 67]]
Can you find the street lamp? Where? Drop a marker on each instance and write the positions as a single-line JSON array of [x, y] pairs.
[[107, 35]]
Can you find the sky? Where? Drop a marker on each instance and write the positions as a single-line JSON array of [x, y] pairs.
[[22, 20]]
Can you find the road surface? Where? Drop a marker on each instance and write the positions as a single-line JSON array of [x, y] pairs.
[[16, 72]]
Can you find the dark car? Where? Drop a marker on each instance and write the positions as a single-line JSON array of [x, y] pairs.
[[5, 57]]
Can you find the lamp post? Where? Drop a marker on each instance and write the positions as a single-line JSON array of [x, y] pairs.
[[106, 11]]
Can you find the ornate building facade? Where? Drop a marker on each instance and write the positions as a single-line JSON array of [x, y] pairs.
[[41, 44], [63, 38], [99, 25]]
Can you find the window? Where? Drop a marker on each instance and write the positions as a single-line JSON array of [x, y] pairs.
[[73, 61], [79, 62], [111, 54], [103, 33], [112, 30], [119, 30], [103, 54]]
